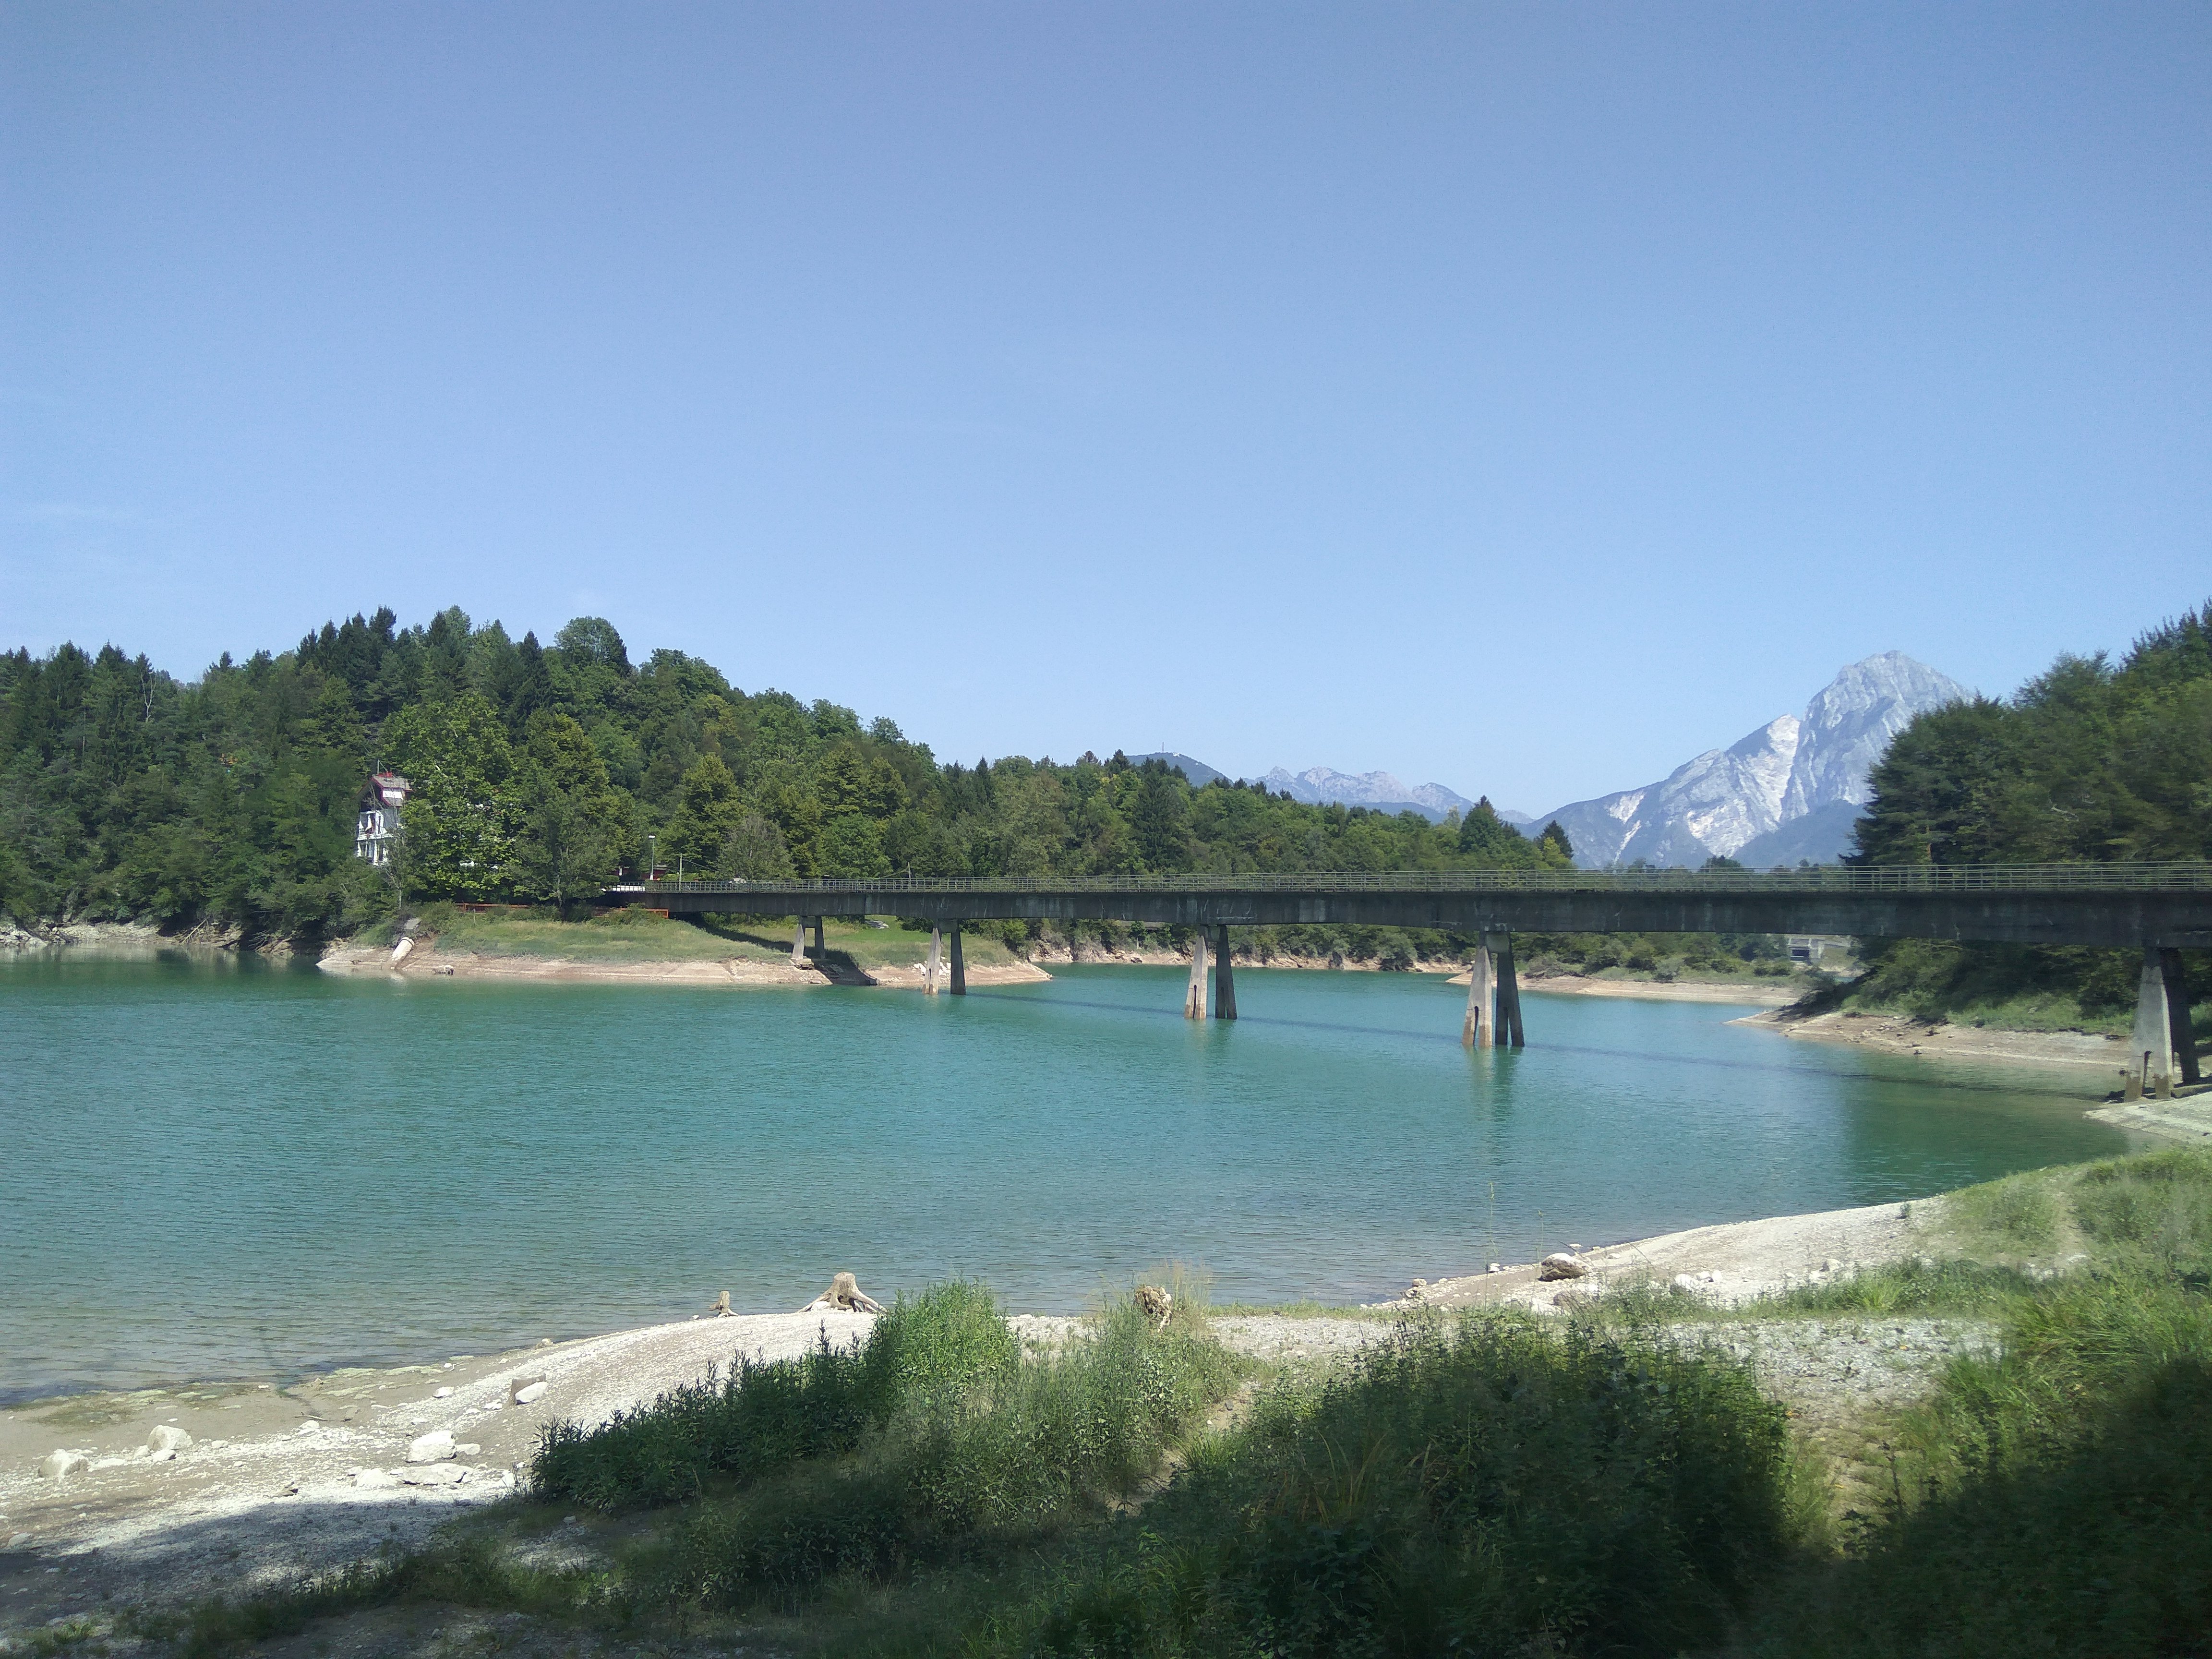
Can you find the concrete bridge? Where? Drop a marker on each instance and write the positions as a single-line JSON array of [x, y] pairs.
[[2160, 909]]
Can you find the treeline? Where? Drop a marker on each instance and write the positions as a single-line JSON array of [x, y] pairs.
[[2092, 761], [539, 771]]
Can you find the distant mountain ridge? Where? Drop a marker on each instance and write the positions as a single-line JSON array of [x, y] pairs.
[[1789, 792], [1320, 786]]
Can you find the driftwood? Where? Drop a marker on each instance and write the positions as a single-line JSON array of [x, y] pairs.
[[1154, 1303], [721, 1309], [844, 1295]]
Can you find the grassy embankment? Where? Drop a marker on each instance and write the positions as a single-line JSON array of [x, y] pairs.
[[1495, 1485], [2011, 988], [639, 936]]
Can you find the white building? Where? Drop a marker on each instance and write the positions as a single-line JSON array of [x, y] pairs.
[[379, 824]]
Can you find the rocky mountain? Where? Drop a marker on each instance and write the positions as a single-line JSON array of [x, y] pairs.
[[1319, 785], [1789, 791]]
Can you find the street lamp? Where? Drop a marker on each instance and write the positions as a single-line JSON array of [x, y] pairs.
[[651, 861]]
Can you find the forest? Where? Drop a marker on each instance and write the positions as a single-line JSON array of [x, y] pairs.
[[2093, 760], [539, 771]]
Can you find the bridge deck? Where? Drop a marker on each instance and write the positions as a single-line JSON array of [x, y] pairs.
[[2138, 905]]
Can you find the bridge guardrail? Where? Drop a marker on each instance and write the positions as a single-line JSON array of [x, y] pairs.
[[2146, 877]]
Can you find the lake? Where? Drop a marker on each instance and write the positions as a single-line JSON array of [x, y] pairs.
[[233, 1169]]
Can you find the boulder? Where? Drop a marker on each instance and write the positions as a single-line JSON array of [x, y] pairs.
[[59, 1464], [374, 1478], [167, 1437], [467, 1449], [1560, 1265], [1683, 1282], [430, 1448], [433, 1475], [524, 1393], [441, 1394]]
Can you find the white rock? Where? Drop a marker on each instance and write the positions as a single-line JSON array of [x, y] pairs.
[[441, 1394], [167, 1455], [311, 1426], [167, 1437], [1684, 1282], [467, 1449], [435, 1475], [430, 1448], [17, 1541], [1560, 1265], [528, 1392], [374, 1478], [59, 1464]]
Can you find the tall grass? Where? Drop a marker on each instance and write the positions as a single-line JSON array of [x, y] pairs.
[[932, 1352], [1489, 1488], [966, 1470], [2054, 1500]]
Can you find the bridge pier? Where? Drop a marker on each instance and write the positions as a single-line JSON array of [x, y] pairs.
[[1509, 995], [1480, 1030], [1193, 1000], [959, 964], [799, 944], [821, 951], [2150, 1049], [1225, 978], [936, 954], [2177, 1015]]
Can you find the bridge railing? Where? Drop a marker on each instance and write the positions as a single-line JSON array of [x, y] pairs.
[[2146, 877]]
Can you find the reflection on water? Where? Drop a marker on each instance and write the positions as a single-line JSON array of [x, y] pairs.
[[254, 1170]]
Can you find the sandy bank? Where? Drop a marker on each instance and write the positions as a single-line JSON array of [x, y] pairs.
[[1897, 1034], [1652, 990], [431, 960]]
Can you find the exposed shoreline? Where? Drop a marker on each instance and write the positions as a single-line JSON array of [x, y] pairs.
[[280, 1480], [1900, 1034]]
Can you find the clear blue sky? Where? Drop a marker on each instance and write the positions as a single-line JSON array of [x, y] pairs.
[[1524, 397]]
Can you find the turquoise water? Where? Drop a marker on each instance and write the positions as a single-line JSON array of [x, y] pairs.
[[215, 1171]]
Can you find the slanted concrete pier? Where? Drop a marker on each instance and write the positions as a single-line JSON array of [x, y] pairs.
[[959, 965], [1481, 1028], [1509, 993], [1225, 977], [1193, 1000]]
